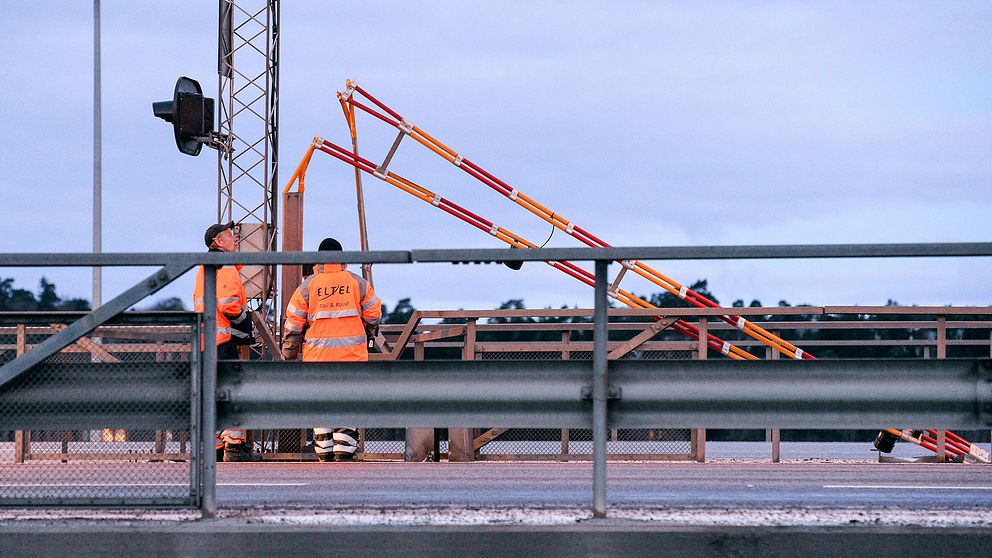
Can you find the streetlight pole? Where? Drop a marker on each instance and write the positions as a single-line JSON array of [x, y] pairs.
[[97, 160]]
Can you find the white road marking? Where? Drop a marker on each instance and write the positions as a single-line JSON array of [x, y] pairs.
[[263, 484], [907, 486], [122, 484]]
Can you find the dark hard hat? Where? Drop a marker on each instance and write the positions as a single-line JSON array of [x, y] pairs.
[[214, 230], [329, 245]]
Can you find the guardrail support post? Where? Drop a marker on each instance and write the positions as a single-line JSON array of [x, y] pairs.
[[599, 392], [208, 395]]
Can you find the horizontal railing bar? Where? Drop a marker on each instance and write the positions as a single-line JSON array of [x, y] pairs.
[[910, 310], [805, 251], [167, 347], [556, 346], [638, 326], [136, 259], [155, 320], [950, 249], [550, 346], [750, 311], [646, 394]]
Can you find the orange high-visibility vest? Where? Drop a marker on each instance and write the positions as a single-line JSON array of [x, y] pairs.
[[333, 306], [231, 299]]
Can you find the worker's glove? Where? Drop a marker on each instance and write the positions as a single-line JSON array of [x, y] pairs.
[[237, 320], [291, 346], [371, 330]]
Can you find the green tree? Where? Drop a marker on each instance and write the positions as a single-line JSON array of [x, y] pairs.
[[48, 299], [16, 300], [669, 300], [23, 300], [400, 315], [166, 304]]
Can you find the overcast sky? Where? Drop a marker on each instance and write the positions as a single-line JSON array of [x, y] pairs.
[[646, 123]]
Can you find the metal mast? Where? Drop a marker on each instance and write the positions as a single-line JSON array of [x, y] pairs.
[[248, 99]]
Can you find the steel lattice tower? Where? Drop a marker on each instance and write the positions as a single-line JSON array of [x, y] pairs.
[[248, 99]]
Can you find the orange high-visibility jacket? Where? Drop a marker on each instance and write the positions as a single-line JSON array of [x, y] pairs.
[[333, 307], [231, 300]]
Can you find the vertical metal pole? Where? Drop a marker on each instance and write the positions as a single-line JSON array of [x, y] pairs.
[[208, 414], [97, 160], [225, 102], [196, 391], [363, 236], [599, 392]]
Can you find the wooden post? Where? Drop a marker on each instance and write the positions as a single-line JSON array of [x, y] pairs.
[[698, 436], [941, 354], [22, 439], [460, 440], [942, 337], [292, 241], [160, 435], [698, 443], [774, 435], [468, 351], [419, 441], [160, 439], [565, 355], [701, 347]]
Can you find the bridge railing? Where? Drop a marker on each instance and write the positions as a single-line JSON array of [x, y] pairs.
[[460, 394], [566, 334]]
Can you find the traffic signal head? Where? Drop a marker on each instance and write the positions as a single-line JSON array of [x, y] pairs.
[[191, 115]]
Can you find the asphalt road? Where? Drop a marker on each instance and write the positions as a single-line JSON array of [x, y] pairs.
[[908, 486], [815, 484], [825, 500]]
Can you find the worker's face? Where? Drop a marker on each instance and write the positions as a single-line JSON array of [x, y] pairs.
[[226, 241]]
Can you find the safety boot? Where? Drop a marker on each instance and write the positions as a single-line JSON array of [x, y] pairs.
[[885, 442], [239, 452]]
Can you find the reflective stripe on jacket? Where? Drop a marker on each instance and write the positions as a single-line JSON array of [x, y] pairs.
[[231, 300], [333, 306]]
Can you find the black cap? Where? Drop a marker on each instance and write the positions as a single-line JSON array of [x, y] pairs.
[[329, 245], [214, 230]]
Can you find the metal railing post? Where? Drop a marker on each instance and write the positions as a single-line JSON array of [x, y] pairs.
[[599, 393], [196, 394], [208, 395]]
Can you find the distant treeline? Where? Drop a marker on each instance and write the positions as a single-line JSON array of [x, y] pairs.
[[23, 300], [47, 299]]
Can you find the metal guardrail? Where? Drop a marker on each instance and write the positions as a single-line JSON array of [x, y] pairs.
[[643, 394], [956, 394]]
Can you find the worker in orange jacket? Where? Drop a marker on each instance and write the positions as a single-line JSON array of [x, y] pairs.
[[331, 316], [232, 324]]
